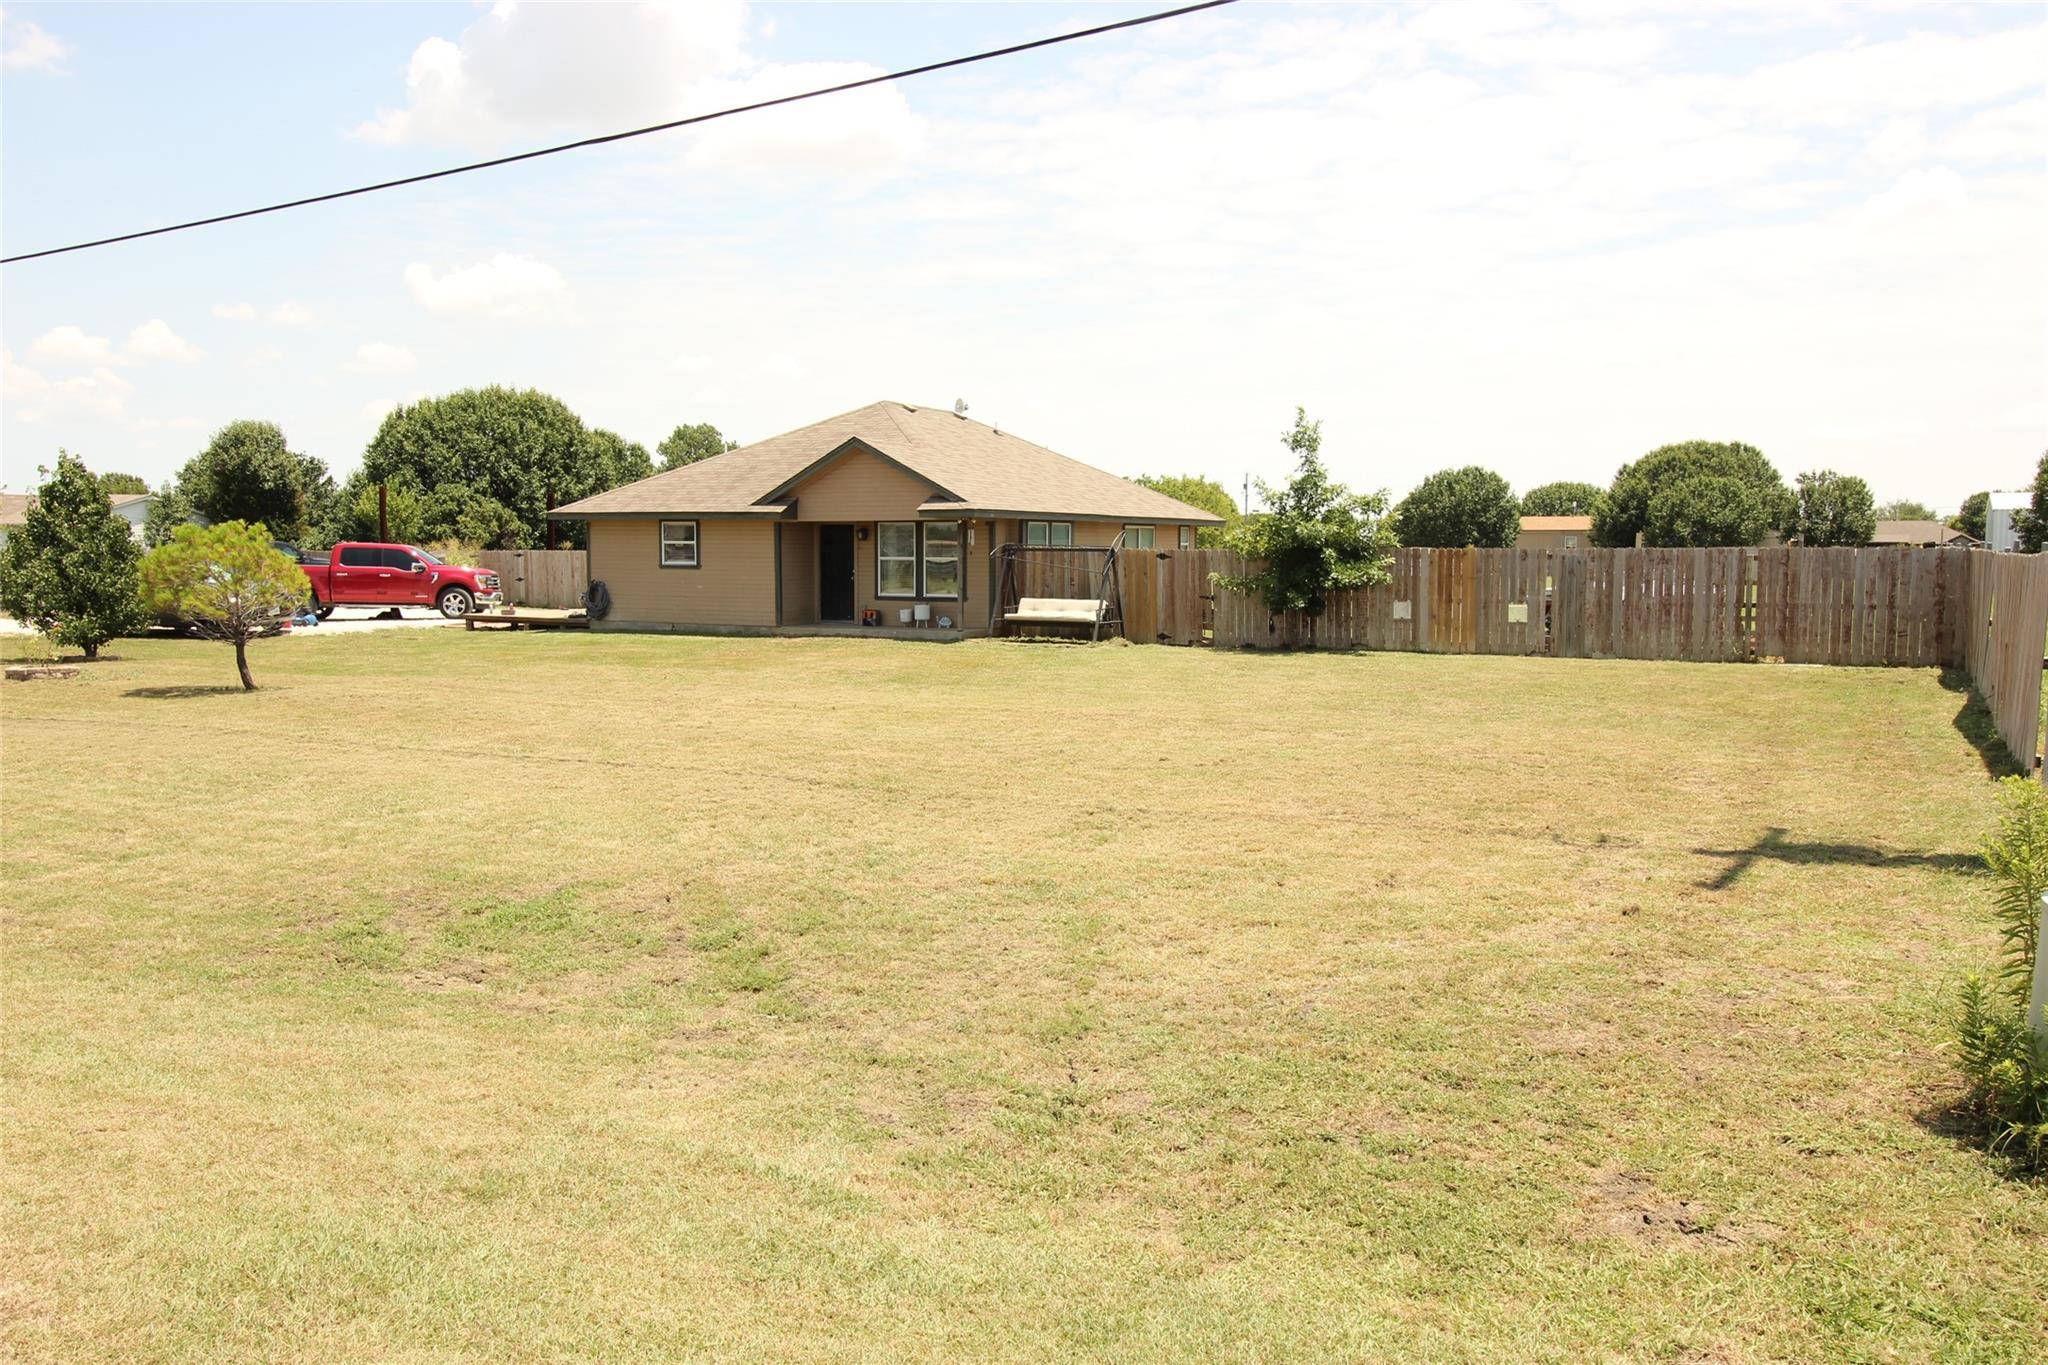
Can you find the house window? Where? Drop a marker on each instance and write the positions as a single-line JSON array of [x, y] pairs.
[[1571, 542], [679, 545], [1059, 534], [896, 559], [942, 559], [1187, 538], [1138, 537]]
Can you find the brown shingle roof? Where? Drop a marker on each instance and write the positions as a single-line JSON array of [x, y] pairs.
[[975, 469], [1916, 532]]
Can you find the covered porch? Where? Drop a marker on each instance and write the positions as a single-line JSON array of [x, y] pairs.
[[928, 578]]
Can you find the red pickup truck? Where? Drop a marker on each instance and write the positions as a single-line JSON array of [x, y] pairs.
[[364, 575]]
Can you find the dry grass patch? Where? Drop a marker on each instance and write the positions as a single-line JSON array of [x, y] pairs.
[[527, 996]]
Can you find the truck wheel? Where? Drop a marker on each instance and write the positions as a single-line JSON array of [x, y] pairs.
[[323, 610], [455, 603]]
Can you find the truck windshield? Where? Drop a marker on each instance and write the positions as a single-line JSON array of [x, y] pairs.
[[426, 556]]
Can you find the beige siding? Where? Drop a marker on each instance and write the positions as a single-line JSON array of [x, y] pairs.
[[734, 585], [860, 488], [799, 574]]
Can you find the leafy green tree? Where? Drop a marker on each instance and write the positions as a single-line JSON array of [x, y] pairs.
[[458, 512], [519, 447], [689, 444], [1969, 518], [353, 513], [1196, 491], [1694, 493], [1565, 498], [248, 473], [167, 513], [69, 569], [1459, 507], [2031, 525], [123, 483], [225, 582], [1315, 537], [1833, 509], [1905, 509]]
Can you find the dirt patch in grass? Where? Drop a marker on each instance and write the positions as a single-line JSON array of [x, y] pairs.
[[1628, 1206]]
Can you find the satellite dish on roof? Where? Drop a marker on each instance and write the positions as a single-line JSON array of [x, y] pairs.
[[959, 407]]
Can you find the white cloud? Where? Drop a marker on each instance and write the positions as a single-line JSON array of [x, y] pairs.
[[235, 312], [505, 286], [73, 345], [291, 313], [381, 357], [263, 358], [154, 340], [526, 69], [27, 46], [34, 398]]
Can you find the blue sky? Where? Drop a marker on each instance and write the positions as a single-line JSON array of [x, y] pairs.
[[1541, 238]]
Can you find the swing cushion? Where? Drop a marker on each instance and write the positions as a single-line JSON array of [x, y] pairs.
[[1083, 611]]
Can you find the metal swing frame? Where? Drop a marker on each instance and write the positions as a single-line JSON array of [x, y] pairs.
[[1104, 581]]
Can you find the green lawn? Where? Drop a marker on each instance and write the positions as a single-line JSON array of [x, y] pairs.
[[494, 997]]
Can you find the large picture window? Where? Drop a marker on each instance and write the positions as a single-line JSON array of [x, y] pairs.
[[942, 559], [1138, 537], [679, 545], [1059, 534], [896, 559]]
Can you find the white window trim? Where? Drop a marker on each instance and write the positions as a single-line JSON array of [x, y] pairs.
[[924, 556], [916, 558], [694, 541], [1146, 527], [1187, 537]]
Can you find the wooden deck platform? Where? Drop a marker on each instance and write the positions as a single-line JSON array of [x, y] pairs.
[[533, 618]]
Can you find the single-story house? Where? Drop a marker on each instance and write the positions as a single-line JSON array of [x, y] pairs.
[[1916, 532], [14, 512], [1555, 533], [886, 515], [132, 508]]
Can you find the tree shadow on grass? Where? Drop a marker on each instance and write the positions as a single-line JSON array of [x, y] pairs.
[[184, 693], [1775, 847], [1973, 722]]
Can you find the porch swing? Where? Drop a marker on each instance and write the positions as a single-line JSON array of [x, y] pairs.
[[1058, 585]]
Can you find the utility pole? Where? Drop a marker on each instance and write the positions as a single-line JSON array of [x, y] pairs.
[[383, 516], [2037, 1006], [551, 520]]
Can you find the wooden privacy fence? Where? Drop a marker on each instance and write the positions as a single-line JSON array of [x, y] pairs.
[[1877, 605], [539, 578]]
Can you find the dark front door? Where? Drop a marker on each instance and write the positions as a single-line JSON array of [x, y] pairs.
[[835, 573]]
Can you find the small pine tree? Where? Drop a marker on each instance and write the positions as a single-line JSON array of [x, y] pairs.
[[70, 570], [225, 582], [1316, 537]]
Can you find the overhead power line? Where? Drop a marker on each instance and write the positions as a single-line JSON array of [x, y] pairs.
[[886, 77]]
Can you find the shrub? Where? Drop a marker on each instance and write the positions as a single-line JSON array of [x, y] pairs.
[[1316, 536], [2004, 1064], [1459, 507]]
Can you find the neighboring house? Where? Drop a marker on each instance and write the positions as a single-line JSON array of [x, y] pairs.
[[878, 510], [133, 508], [14, 512], [1555, 533], [1919, 533], [2000, 532]]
